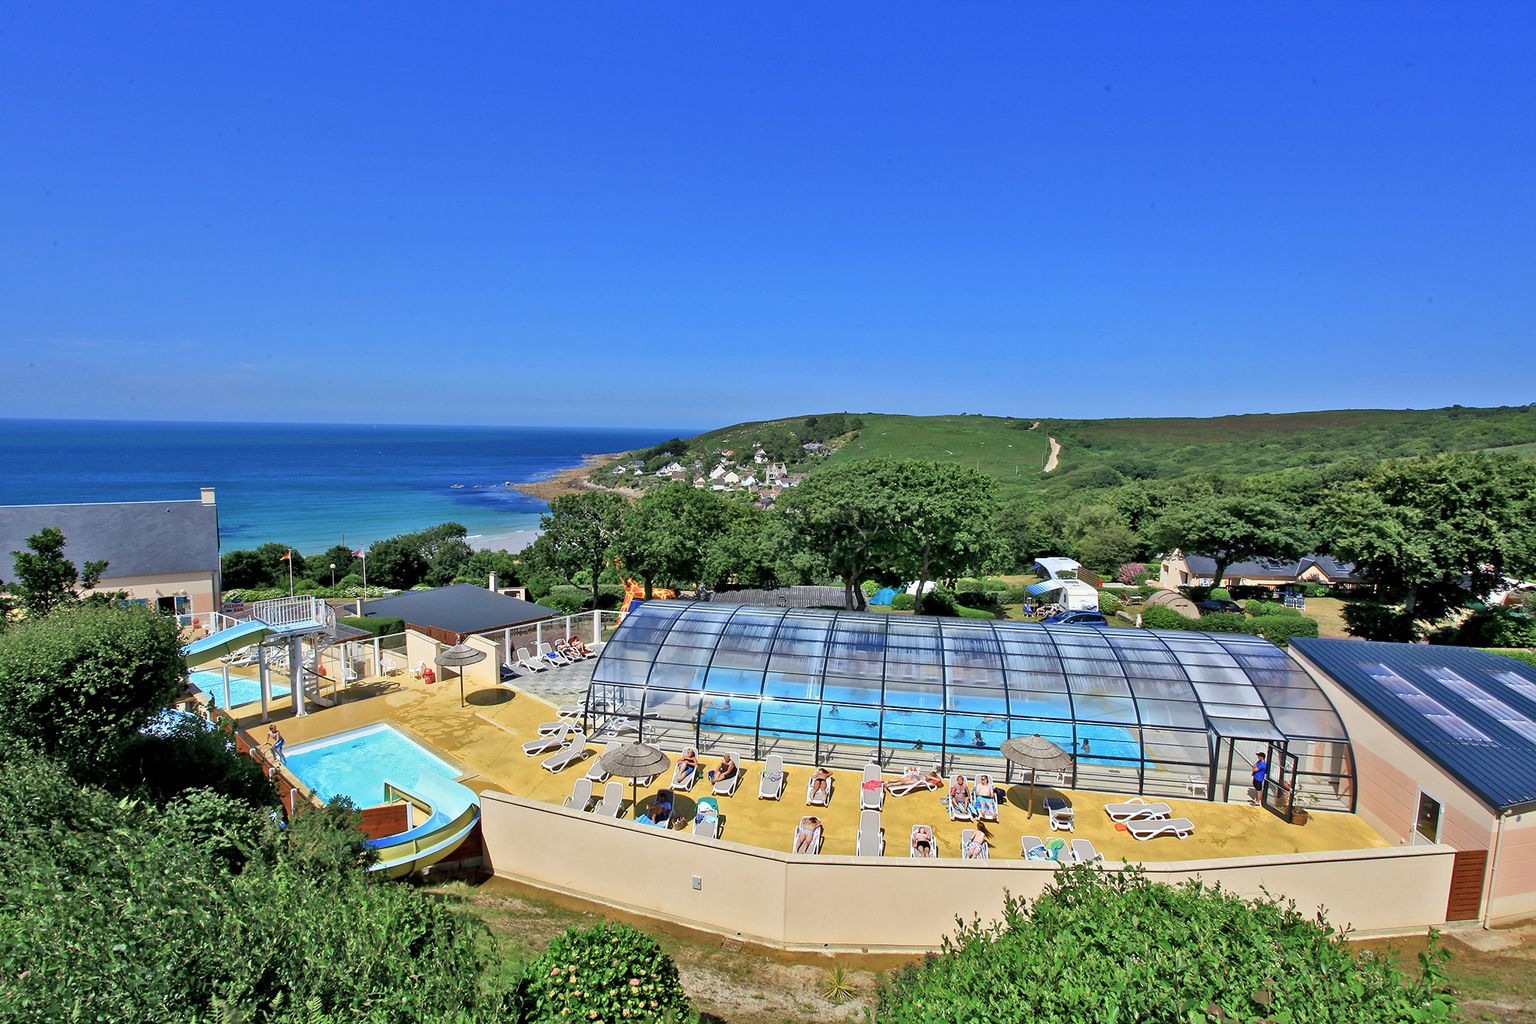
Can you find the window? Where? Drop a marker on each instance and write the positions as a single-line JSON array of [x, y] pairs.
[[1426, 827]]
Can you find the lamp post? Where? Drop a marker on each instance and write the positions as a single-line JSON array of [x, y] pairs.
[[333, 575]]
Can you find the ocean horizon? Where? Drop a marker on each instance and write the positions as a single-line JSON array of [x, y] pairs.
[[309, 485]]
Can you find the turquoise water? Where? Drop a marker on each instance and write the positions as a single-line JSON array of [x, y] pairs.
[[241, 689], [982, 725], [356, 764], [308, 485]]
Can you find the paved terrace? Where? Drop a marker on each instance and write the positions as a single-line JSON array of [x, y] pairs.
[[485, 739]]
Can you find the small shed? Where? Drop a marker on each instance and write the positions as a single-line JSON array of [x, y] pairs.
[[450, 615]]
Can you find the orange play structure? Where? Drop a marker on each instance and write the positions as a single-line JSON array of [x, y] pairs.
[[635, 591]]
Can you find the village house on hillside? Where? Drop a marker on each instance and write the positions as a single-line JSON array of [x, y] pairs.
[[1181, 570]]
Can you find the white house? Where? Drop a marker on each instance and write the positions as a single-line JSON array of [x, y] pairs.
[[730, 479], [717, 473], [749, 481], [760, 457], [775, 471], [670, 469]]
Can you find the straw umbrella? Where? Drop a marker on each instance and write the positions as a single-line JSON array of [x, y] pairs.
[[458, 657], [634, 761], [1038, 754]]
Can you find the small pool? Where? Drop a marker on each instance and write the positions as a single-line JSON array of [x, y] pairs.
[[242, 689], [356, 764]]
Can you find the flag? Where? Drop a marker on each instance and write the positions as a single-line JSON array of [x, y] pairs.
[[359, 553], [287, 556]]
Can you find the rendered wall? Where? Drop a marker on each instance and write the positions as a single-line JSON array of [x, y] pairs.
[[894, 903], [198, 585]]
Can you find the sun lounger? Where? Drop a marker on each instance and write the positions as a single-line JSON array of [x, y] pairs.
[[1144, 829], [556, 728], [961, 810], [544, 744], [1063, 818], [726, 787], [871, 797], [581, 795], [571, 711], [597, 773], [1133, 810], [613, 800], [567, 755], [1084, 853], [870, 841], [912, 778], [529, 662], [684, 776], [552, 656], [1032, 844], [770, 786], [933, 842], [708, 828], [812, 800], [816, 832], [967, 835]]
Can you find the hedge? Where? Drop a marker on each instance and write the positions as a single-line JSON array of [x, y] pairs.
[[1278, 629], [377, 625], [1228, 622], [1257, 608], [1156, 616], [1109, 604], [902, 602]]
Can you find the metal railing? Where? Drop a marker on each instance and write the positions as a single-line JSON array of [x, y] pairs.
[[288, 612]]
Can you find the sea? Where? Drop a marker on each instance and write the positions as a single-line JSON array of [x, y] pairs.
[[307, 485]]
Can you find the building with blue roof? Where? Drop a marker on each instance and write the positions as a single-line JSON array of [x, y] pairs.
[[1444, 742]]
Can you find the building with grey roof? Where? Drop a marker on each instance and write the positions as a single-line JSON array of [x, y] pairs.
[[161, 553]]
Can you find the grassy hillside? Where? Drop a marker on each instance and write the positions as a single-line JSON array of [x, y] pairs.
[[1003, 448]]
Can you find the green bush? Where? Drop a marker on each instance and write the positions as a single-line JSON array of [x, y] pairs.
[[1109, 603], [378, 625], [993, 585], [1015, 595], [1278, 629], [1529, 657], [1220, 594], [976, 613], [611, 973], [1316, 590], [1156, 616], [902, 602], [869, 587], [1227, 622], [967, 583], [566, 599], [1492, 627], [1088, 950], [939, 601], [1257, 608]]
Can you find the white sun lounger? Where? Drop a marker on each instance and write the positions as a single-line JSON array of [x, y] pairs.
[[905, 785], [529, 662], [552, 656], [544, 744], [709, 828], [1144, 829], [933, 843], [810, 788], [727, 787], [871, 838], [597, 773], [1027, 843], [816, 836], [957, 812], [567, 755], [871, 798], [571, 711], [1133, 810], [770, 785], [1063, 818], [581, 795], [968, 834], [613, 799], [1084, 853], [684, 776], [556, 728]]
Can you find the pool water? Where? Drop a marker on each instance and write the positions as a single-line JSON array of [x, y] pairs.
[[242, 689], [979, 727], [356, 764]]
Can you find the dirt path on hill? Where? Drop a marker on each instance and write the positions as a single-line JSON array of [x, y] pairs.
[[1050, 461]]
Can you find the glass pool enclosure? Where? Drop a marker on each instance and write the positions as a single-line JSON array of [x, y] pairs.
[[1142, 711]]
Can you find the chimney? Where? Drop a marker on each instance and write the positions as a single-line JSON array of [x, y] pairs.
[[207, 493], [492, 586]]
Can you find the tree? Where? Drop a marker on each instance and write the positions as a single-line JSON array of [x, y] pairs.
[[318, 567], [1432, 534], [80, 682], [582, 529], [846, 514], [1026, 530], [477, 568], [1101, 538], [745, 551], [45, 579], [944, 521], [665, 534], [1233, 526], [246, 570]]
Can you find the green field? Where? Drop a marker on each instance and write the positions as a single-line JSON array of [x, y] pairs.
[[1002, 448]]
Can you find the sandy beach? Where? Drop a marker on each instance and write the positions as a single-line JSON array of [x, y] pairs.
[[574, 480]]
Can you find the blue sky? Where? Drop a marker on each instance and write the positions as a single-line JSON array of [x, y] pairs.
[[646, 214]]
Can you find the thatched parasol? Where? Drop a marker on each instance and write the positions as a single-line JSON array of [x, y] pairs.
[[634, 761], [458, 656], [1038, 754]]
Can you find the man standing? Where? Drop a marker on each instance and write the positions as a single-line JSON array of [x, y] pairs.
[[1260, 773]]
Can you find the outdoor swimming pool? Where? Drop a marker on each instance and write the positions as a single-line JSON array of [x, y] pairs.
[[242, 689], [356, 764]]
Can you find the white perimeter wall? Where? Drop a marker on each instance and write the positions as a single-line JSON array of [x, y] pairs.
[[895, 903]]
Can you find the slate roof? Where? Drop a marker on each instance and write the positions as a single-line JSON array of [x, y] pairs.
[[1470, 712], [136, 538], [1339, 572], [462, 608]]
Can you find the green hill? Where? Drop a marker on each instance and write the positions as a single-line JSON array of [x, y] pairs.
[[1106, 452]]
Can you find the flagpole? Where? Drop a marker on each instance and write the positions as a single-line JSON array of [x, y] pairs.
[[290, 574]]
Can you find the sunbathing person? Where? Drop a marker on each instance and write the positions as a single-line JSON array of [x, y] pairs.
[[922, 841], [726, 771], [986, 796], [821, 782], [960, 797], [977, 847], [915, 777], [807, 833]]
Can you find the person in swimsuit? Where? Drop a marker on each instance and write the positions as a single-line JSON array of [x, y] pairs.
[[922, 841], [820, 780], [806, 833]]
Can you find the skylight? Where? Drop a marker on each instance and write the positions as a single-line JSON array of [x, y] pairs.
[[1476, 696], [1433, 711]]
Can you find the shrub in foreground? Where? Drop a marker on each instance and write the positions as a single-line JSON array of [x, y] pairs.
[[1257, 608], [1156, 616], [1279, 629], [902, 602], [611, 972], [1099, 947]]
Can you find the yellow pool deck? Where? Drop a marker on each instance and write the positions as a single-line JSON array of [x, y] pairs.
[[485, 739]]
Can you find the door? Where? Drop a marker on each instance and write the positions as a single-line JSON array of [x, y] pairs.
[[1280, 787]]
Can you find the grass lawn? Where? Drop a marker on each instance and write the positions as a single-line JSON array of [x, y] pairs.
[[1004, 449], [1329, 613]]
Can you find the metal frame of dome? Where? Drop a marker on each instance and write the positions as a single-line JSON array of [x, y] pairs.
[[1143, 711]]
